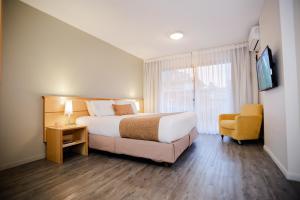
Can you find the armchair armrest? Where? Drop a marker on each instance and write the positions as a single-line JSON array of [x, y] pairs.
[[228, 116], [248, 126]]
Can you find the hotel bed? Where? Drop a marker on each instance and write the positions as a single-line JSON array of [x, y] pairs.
[[175, 132], [171, 127]]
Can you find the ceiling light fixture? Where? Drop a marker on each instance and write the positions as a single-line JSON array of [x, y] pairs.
[[176, 36]]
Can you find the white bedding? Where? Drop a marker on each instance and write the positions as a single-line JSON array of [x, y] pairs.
[[171, 127]]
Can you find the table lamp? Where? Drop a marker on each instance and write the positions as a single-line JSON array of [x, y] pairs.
[[137, 105], [68, 110]]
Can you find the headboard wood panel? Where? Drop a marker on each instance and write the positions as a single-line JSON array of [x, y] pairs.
[[54, 106]]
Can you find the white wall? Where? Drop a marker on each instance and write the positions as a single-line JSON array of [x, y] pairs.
[[297, 36], [273, 100], [297, 39], [282, 132], [291, 80], [44, 56]]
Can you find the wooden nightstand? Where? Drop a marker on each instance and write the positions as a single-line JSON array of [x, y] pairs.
[[77, 136]]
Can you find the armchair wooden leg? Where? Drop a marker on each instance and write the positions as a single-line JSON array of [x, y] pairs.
[[222, 136], [240, 142]]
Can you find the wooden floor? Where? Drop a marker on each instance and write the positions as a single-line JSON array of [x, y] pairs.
[[210, 169]]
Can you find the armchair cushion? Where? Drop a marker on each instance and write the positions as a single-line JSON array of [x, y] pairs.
[[229, 124], [227, 116]]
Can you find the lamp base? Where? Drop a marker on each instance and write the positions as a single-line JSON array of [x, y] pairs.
[[68, 123]]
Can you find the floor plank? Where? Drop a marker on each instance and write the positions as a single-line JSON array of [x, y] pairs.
[[209, 169]]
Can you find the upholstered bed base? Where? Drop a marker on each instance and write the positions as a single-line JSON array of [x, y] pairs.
[[157, 151]]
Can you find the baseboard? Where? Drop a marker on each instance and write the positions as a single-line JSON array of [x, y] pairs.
[[23, 161], [276, 161], [293, 176], [288, 175]]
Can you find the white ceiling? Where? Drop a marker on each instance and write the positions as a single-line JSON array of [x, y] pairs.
[[142, 27]]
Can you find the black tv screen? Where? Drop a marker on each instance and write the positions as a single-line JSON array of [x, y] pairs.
[[265, 75]]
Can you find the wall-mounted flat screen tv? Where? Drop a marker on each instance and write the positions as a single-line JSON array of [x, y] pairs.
[[265, 71]]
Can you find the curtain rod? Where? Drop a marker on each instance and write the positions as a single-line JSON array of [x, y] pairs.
[[221, 48]]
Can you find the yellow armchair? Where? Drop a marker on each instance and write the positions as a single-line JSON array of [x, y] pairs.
[[243, 126]]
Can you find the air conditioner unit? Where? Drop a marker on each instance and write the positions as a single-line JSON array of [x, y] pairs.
[[253, 40]]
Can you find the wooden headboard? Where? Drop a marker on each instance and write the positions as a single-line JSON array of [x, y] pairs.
[[54, 106]]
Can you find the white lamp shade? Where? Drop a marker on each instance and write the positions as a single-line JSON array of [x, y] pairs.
[[137, 105], [68, 107]]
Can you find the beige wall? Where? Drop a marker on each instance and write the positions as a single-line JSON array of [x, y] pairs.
[[44, 56], [273, 100]]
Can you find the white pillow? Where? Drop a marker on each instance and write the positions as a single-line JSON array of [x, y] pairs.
[[102, 107], [89, 108], [128, 101]]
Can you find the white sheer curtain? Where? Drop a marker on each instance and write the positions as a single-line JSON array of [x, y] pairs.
[[151, 86], [169, 85], [213, 88], [241, 76], [209, 82], [213, 95], [224, 81], [253, 75]]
